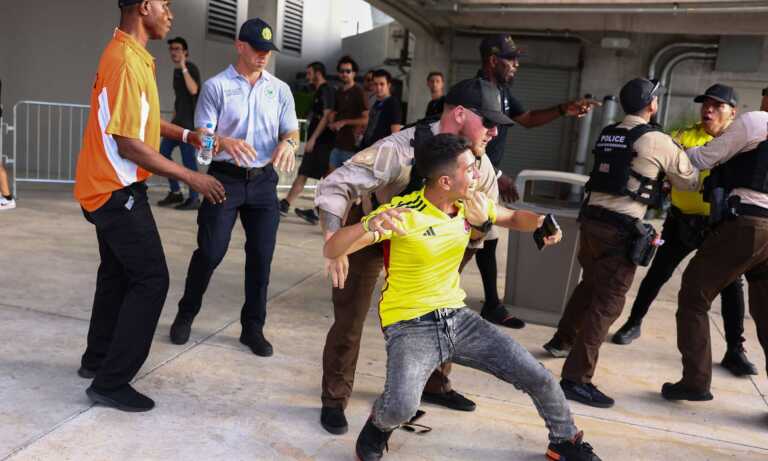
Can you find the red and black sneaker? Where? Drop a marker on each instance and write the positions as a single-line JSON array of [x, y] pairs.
[[572, 450]]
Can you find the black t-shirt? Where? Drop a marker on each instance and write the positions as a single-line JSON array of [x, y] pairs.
[[512, 108], [381, 116], [322, 100], [185, 102], [435, 107]]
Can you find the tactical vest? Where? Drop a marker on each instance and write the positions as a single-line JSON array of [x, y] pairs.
[[610, 174], [747, 170]]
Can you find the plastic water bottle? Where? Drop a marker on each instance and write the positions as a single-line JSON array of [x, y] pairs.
[[205, 154]]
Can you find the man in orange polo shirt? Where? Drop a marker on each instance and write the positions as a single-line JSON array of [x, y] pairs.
[[119, 153]]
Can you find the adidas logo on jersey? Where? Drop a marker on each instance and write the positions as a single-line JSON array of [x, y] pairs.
[[429, 232]]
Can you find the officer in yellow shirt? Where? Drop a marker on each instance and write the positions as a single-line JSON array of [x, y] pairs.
[[684, 231], [423, 314]]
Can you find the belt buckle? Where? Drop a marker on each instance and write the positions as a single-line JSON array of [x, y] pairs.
[[251, 173]]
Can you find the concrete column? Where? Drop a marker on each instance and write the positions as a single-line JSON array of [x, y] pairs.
[[429, 55]]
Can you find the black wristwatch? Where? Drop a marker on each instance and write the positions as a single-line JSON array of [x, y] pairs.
[[484, 227]]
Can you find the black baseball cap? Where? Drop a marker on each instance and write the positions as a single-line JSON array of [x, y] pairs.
[[124, 3], [258, 34], [720, 93], [480, 96], [638, 93], [500, 45], [180, 41]]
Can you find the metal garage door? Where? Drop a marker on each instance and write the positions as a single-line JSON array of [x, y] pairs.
[[547, 147]]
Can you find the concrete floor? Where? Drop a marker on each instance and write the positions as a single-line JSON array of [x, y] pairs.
[[216, 400]]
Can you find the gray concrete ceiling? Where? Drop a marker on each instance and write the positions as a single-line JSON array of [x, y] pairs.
[[646, 16]]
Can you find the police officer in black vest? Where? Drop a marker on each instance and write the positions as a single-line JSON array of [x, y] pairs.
[[737, 190], [631, 160]]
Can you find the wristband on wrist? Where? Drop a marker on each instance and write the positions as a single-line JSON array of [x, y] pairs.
[[364, 223], [185, 136]]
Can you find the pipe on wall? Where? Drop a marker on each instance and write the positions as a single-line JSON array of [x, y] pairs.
[[666, 75]]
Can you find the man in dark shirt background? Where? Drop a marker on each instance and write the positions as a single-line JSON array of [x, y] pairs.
[[350, 112], [317, 150], [186, 85], [500, 56], [385, 114], [436, 84]]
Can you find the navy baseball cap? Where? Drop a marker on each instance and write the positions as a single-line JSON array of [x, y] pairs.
[[720, 93], [124, 3], [500, 45], [481, 97], [638, 93], [258, 34]]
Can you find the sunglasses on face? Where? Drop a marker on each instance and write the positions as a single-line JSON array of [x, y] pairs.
[[345, 71], [487, 123]]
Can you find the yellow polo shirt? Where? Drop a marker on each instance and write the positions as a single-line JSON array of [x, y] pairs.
[[124, 102], [422, 267], [692, 202]]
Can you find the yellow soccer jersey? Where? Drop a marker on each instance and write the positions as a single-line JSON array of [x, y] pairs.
[[422, 267], [692, 202]]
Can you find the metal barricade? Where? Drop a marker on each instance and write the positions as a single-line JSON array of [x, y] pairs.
[[47, 137]]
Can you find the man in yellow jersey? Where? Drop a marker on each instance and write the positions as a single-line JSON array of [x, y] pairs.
[[119, 152], [423, 313], [684, 231]]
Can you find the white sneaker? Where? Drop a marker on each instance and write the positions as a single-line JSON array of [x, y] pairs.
[[6, 204]]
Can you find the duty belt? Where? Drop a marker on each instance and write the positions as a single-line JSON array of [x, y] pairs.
[[236, 172], [603, 214], [745, 209]]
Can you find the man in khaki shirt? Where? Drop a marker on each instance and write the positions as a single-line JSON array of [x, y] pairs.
[[739, 245], [608, 220], [375, 175]]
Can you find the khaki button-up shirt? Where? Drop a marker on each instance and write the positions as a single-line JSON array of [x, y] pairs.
[[656, 153], [384, 169], [743, 135]]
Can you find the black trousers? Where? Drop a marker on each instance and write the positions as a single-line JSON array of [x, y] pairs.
[[131, 286], [679, 243], [255, 201]]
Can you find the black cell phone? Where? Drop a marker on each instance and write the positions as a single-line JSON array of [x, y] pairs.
[[548, 228]]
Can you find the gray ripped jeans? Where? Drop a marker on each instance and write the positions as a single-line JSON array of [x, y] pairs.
[[416, 347]]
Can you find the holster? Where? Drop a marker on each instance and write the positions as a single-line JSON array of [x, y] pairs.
[[641, 246]]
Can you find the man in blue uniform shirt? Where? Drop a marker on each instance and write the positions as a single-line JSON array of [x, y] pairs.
[[254, 119]]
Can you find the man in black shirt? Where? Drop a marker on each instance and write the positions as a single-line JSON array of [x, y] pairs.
[[317, 150], [186, 85], [500, 57], [436, 84], [385, 115]]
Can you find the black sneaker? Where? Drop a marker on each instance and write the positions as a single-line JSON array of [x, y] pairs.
[[124, 398], [736, 361], [171, 199], [258, 343], [677, 391], [180, 330], [86, 373], [284, 207], [307, 215], [500, 315], [189, 204], [371, 442], [572, 450], [585, 393], [556, 348], [626, 334], [450, 399], [333, 420]]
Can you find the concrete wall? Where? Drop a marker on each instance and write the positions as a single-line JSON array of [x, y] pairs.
[[53, 56], [321, 40]]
